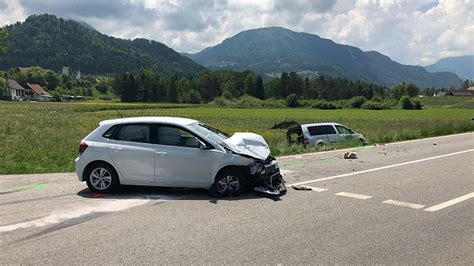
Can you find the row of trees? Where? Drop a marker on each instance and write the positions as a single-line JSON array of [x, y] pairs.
[[147, 86]]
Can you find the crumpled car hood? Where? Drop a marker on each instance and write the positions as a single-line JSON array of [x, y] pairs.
[[250, 144]]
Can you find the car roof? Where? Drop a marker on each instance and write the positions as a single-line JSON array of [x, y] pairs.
[[178, 121], [322, 124]]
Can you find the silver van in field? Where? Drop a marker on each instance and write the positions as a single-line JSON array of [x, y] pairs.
[[318, 133]]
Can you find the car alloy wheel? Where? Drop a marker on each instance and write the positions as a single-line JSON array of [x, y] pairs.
[[100, 178], [228, 184]]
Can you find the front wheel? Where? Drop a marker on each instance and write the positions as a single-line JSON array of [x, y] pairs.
[[228, 183], [101, 178]]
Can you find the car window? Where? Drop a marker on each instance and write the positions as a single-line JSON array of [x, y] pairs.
[[343, 130], [321, 130], [174, 136], [110, 132], [134, 133]]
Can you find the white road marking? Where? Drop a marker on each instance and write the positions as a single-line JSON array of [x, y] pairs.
[[373, 146], [450, 202], [404, 204], [353, 195], [381, 168]]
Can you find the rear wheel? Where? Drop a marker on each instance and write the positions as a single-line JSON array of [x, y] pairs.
[[101, 178], [228, 183]]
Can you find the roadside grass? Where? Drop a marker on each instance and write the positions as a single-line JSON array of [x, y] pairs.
[[44, 137]]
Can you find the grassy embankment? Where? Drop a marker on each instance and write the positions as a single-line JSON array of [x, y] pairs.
[[44, 137]]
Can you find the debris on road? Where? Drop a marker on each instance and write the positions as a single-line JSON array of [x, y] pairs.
[[301, 187], [434, 143], [350, 155]]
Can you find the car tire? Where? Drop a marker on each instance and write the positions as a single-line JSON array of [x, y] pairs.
[[228, 183], [101, 178]]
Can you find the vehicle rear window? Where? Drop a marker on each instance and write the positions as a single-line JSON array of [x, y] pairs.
[[134, 133], [109, 133], [321, 130]]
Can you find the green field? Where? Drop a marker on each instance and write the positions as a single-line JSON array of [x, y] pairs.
[[44, 137]]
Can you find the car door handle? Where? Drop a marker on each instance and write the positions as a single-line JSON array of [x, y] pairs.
[[116, 148], [162, 153]]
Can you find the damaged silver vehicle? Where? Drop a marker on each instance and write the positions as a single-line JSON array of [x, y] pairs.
[[318, 134], [176, 152]]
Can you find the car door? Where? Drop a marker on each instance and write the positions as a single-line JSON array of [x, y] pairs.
[[345, 133], [332, 134], [133, 153], [179, 161]]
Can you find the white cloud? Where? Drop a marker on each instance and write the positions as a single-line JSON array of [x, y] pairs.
[[411, 32]]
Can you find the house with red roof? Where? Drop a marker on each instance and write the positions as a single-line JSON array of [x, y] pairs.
[[37, 93]]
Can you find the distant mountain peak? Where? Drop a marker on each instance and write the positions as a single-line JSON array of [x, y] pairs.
[[463, 66], [275, 49]]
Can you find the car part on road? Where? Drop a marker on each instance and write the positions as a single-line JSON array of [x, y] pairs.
[[301, 187], [350, 155]]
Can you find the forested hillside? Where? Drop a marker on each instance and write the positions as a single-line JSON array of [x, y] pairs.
[[51, 42]]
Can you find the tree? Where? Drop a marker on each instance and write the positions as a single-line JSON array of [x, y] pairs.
[[411, 89], [465, 84], [172, 91], [295, 84], [260, 91], [250, 84], [405, 102], [398, 91], [292, 100], [3, 40]]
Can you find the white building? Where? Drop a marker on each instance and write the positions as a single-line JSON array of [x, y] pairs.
[[15, 91]]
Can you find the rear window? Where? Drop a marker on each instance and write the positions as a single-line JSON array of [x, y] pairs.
[[110, 133], [321, 130], [134, 133]]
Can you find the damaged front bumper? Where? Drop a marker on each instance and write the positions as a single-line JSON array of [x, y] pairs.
[[267, 177]]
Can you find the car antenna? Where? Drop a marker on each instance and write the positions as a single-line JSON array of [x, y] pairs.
[[121, 116]]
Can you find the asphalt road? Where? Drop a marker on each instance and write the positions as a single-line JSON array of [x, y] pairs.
[[410, 202]]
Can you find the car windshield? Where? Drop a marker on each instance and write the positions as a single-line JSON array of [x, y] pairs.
[[209, 132]]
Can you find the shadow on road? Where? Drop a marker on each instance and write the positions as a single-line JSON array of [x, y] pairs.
[[162, 193]]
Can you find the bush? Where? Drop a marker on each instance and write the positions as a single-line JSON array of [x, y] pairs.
[[390, 103], [221, 101], [292, 100], [373, 105], [274, 103], [323, 104], [193, 96], [417, 104], [357, 102], [405, 102], [249, 101], [377, 99], [227, 94]]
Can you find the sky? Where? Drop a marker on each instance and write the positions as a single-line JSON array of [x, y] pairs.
[[408, 31]]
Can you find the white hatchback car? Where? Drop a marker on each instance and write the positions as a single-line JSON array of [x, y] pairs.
[[176, 152]]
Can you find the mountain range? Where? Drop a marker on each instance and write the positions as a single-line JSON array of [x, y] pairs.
[[51, 42], [463, 66], [270, 51]]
